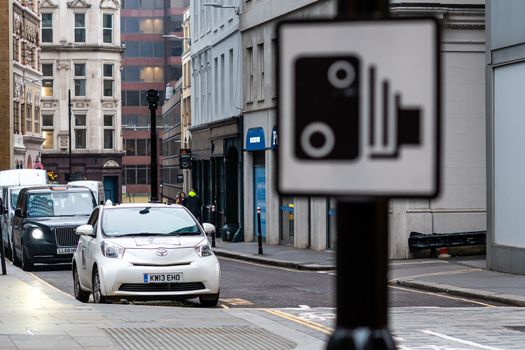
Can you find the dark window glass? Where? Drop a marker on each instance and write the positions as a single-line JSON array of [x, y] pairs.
[[141, 147], [131, 73], [108, 88], [80, 27], [108, 70], [176, 48], [146, 49], [131, 175], [159, 49], [132, 24], [80, 87], [47, 120], [108, 120], [132, 98], [130, 147], [47, 69], [175, 72], [141, 175], [80, 70], [80, 138], [130, 4], [80, 120], [108, 138], [47, 27], [132, 49], [147, 4], [176, 23]]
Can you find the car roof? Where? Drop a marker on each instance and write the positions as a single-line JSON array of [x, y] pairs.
[[45, 188], [140, 205]]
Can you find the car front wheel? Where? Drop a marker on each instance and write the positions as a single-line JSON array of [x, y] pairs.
[[27, 265], [209, 300], [98, 297], [80, 295]]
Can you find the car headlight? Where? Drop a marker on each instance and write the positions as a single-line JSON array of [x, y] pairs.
[[111, 250], [37, 233], [203, 249]]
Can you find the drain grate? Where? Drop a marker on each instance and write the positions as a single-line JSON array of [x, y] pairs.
[[227, 338]]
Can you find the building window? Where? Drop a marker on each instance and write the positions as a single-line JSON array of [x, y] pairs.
[[108, 80], [47, 81], [47, 27], [80, 27], [16, 49], [107, 28], [80, 79], [249, 90], [16, 117], [108, 131], [29, 114], [260, 68], [36, 116], [80, 131], [47, 131]]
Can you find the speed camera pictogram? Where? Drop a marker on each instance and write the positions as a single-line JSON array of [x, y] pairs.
[[358, 110]]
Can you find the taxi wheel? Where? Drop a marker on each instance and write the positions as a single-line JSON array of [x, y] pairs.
[[15, 260], [80, 295], [97, 292], [209, 300], [27, 265]]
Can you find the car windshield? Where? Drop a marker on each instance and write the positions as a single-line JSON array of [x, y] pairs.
[[147, 221], [63, 203], [14, 197]]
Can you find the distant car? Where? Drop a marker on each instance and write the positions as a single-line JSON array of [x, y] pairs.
[[45, 221], [145, 251]]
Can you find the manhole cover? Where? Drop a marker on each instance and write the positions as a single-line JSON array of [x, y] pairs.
[[227, 338]]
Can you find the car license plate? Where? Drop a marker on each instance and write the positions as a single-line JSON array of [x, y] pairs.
[[70, 250], [163, 277]]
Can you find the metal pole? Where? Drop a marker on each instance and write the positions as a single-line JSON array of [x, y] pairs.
[[259, 237], [69, 105], [2, 257], [153, 97], [362, 248]]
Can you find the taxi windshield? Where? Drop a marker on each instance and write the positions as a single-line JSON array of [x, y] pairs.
[[148, 221], [60, 203]]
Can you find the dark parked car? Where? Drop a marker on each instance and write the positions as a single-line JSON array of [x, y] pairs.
[[45, 221]]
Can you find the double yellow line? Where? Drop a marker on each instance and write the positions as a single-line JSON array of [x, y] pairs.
[[309, 324]]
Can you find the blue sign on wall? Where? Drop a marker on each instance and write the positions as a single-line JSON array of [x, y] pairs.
[[255, 139]]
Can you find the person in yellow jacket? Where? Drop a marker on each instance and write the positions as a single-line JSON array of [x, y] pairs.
[[194, 204]]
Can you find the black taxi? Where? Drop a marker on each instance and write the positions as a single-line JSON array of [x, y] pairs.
[[45, 221]]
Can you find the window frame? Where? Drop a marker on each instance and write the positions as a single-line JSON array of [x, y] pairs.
[[80, 79], [78, 28], [106, 29], [80, 127], [44, 28]]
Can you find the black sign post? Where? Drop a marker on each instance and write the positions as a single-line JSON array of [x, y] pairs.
[[362, 304], [153, 100]]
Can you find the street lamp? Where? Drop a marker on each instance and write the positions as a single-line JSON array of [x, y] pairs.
[[222, 6], [176, 37], [153, 100]]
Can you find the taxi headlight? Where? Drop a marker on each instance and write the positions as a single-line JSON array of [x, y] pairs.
[[111, 250], [203, 249], [37, 233]]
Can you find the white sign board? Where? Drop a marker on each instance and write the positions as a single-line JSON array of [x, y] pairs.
[[358, 110]]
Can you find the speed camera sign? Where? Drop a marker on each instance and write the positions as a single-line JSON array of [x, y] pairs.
[[358, 110]]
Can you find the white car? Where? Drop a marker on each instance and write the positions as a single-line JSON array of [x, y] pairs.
[[145, 251]]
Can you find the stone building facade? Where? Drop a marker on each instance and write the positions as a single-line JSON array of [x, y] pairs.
[[81, 98]]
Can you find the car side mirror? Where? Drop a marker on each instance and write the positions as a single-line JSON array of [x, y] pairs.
[[85, 230], [18, 212], [208, 228]]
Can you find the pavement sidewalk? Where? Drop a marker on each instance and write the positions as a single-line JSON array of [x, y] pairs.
[[462, 276]]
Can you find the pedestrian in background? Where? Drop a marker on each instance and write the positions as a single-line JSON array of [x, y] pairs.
[[194, 204], [180, 197]]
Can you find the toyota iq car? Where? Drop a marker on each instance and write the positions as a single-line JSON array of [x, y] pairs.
[[145, 251]]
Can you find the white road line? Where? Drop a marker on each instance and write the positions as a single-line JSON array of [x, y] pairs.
[[442, 296], [304, 306], [418, 262], [457, 340], [440, 273]]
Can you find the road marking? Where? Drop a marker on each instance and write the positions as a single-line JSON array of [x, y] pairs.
[[309, 324], [457, 340], [225, 306], [443, 296], [264, 265], [418, 262], [236, 301], [304, 306], [441, 273]]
